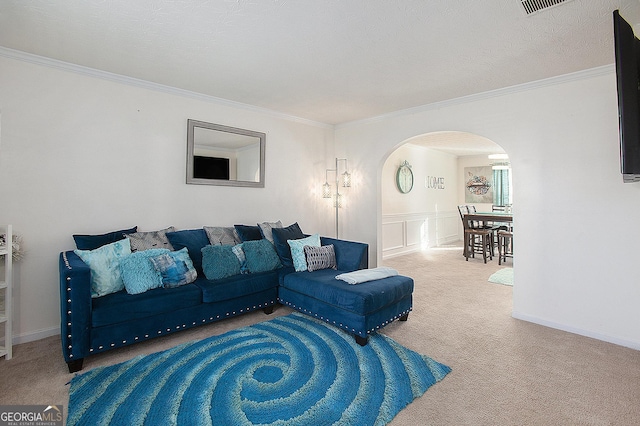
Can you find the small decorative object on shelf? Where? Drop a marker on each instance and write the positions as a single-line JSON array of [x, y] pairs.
[[17, 247], [6, 251]]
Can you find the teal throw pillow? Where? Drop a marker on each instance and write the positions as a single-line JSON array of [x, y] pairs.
[[175, 267], [104, 263], [297, 250], [261, 256], [138, 273], [219, 262]]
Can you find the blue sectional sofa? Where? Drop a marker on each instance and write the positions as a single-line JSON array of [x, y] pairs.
[[91, 325]]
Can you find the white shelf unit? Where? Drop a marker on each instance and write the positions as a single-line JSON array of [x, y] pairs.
[[6, 284]]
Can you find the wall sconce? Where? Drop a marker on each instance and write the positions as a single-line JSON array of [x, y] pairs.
[[343, 180]]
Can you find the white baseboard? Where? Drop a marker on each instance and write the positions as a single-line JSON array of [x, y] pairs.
[[35, 335], [598, 336], [390, 254], [401, 251]]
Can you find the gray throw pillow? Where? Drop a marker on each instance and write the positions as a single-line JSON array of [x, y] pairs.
[[222, 235], [266, 228], [320, 257], [150, 240]]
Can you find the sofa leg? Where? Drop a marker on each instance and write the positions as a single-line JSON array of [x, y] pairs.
[[75, 365], [362, 341], [404, 317], [268, 310]]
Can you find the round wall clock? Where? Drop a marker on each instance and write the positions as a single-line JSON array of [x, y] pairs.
[[404, 177]]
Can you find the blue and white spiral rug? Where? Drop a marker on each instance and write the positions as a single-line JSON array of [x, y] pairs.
[[292, 370]]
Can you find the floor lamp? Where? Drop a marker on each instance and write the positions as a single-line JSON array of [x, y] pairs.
[[343, 179]]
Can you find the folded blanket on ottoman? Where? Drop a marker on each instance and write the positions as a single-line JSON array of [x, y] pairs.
[[364, 275]]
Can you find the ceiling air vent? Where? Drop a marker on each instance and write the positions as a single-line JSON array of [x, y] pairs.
[[535, 6]]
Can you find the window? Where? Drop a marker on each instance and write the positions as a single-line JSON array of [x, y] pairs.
[[502, 187]]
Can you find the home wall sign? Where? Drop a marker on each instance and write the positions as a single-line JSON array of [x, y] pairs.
[[404, 177], [432, 182]]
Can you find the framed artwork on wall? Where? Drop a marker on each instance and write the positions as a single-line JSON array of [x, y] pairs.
[[478, 185]]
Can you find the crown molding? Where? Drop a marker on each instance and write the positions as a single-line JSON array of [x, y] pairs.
[[551, 81], [149, 85], [130, 81]]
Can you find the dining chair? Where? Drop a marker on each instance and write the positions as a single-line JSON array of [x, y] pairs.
[[493, 227], [505, 245], [477, 239], [503, 225], [464, 210]]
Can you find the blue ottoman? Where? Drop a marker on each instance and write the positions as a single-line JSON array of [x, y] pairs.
[[360, 309]]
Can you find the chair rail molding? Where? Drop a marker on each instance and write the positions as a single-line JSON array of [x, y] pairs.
[[409, 232]]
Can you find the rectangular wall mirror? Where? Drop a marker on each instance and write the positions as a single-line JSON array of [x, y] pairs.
[[223, 155]]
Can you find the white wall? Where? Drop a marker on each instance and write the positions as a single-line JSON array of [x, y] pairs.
[[80, 154], [426, 216], [561, 134], [471, 161]]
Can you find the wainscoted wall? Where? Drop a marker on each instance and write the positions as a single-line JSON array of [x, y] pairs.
[[406, 233], [427, 215], [558, 132]]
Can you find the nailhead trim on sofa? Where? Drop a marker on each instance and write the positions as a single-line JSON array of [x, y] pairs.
[[351, 330]]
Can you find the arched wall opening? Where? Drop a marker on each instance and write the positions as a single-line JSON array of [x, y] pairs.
[[562, 137], [425, 214]]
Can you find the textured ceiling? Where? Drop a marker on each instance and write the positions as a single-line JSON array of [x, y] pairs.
[[331, 61]]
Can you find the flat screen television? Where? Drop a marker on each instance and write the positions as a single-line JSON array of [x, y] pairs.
[[627, 52], [210, 167]]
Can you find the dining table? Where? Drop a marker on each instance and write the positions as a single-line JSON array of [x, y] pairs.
[[480, 219], [485, 217]]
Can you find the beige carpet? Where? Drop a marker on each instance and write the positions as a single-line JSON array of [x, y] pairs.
[[505, 371]]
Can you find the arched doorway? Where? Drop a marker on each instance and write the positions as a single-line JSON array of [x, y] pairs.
[[426, 214]]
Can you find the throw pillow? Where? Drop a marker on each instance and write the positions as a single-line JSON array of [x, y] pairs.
[[261, 256], [138, 273], [175, 267], [323, 257], [104, 263], [239, 252], [248, 233], [222, 235], [92, 242], [280, 237], [150, 240], [219, 262], [267, 227], [193, 240], [297, 250]]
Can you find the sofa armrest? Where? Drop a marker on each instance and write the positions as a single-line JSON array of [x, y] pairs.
[[75, 306], [350, 255]]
